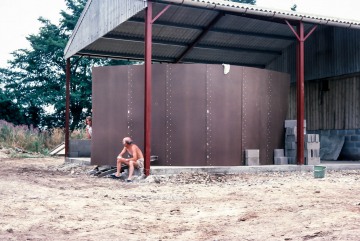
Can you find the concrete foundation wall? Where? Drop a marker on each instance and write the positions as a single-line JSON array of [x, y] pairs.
[[80, 148], [351, 147]]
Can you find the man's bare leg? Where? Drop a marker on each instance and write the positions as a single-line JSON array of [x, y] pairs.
[[120, 161], [132, 165]]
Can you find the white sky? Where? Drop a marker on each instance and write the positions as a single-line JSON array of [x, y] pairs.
[[18, 18]]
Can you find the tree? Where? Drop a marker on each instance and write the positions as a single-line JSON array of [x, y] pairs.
[[36, 76], [9, 111], [253, 2]]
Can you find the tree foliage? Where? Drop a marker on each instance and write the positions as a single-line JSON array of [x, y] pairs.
[[253, 2], [35, 79]]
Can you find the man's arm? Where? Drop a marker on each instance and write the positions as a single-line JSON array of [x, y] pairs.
[[122, 152]]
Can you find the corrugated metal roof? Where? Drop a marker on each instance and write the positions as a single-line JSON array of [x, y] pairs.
[[243, 35]]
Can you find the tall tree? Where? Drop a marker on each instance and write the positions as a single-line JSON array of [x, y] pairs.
[[253, 2]]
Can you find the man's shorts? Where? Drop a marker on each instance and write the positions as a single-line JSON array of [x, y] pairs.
[[140, 163]]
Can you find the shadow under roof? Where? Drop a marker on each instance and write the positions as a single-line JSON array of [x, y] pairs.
[[190, 31]]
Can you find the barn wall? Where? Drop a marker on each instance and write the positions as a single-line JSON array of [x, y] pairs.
[[329, 51], [200, 116]]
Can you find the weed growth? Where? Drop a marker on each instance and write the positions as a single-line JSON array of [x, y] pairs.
[[32, 139]]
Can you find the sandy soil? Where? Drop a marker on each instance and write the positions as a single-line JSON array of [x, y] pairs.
[[43, 199]]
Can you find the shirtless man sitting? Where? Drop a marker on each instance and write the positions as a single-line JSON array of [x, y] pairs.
[[136, 160]]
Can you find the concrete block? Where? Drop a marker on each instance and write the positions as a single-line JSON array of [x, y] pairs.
[[292, 123], [73, 154], [82, 147], [316, 153], [291, 131], [291, 138], [312, 161], [312, 145], [350, 132], [252, 161], [280, 160], [317, 138], [355, 138], [252, 153], [291, 153], [290, 145], [291, 160], [333, 132], [278, 152], [308, 153], [308, 138]]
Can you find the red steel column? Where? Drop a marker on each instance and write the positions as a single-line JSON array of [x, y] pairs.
[[148, 79], [300, 86], [300, 95], [67, 110]]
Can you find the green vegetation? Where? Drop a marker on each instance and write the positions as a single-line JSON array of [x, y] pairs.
[[253, 2], [33, 140]]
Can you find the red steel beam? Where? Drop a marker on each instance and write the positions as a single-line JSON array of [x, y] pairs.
[[67, 111], [300, 89], [300, 77], [148, 79]]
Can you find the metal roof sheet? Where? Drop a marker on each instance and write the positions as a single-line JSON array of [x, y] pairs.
[[243, 34]]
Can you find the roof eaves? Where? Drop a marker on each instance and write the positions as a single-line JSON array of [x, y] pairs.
[[256, 10]]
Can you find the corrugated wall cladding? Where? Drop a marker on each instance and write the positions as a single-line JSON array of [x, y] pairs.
[[98, 18], [329, 51], [330, 103]]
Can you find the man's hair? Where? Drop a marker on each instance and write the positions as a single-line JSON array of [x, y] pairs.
[[127, 140]]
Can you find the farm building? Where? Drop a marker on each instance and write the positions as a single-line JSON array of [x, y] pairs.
[[189, 45]]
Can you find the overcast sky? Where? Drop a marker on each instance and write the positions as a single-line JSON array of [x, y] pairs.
[[18, 18]]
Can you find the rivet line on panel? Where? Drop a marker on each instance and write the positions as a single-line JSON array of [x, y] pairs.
[[129, 101], [268, 132], [168, 115], [208, 84]]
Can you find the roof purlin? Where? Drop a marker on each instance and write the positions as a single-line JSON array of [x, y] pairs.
[[104, 54]]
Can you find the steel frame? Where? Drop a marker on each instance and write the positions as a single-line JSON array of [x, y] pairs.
[[149, 20], [301, 38]]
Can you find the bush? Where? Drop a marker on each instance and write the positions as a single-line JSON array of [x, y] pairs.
[[32, 139]]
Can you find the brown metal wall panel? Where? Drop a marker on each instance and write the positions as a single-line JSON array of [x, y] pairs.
[[135, 107], [199, 115], [278, 92], [224, 116], [158, 125], [252, 136], [186, 108], [109, 113]]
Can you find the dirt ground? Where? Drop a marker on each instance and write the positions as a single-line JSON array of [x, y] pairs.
[[44, 199]]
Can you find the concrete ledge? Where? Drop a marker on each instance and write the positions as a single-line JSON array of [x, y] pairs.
[[170, 170], [161, 170], [78, 160]]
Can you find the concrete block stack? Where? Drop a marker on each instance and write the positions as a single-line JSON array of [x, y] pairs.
[[291, 139], [312, 149], [279, 157], [311, 144], [252, 157]]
